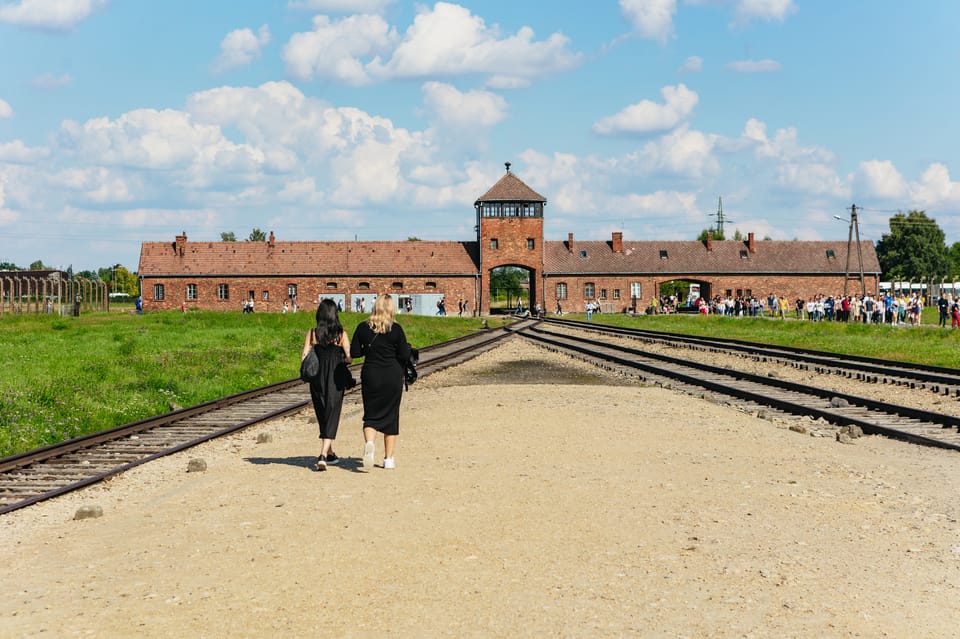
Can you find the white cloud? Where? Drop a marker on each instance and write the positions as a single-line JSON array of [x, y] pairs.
[[16, 152], [880, 178], [776, 10], [443, 41], [49, 82], [56, 15], [240, 47], [334, 48], [454, 109], [683, 153], [647, 116], [651, 19], [100, 185], [935, 188], [754, 66], [6, 111], [693, 64], [341, 6]]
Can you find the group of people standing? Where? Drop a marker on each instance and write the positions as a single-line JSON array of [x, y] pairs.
[[381, 341]]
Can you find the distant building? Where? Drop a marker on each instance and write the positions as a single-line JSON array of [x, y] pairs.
[[617, 274]]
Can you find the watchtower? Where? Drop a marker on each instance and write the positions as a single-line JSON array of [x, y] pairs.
[[510, 233]]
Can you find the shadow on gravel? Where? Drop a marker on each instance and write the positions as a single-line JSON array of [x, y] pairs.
[[306, 462], [537, 371]]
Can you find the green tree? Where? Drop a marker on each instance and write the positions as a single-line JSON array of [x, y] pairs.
[[506, 280], [914, 250], [716, 235], [953, 255], [256, 235], [228, 236], [88, 275], [38, 266], [9, 266]]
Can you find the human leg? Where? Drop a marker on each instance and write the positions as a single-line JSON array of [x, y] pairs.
[[369, 434], [389, 442]]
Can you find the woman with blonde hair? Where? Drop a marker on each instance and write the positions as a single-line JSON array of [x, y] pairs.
[[384, 347]]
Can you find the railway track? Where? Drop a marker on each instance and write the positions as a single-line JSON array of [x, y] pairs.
[[43, 473], [944, 381], [765, 392]]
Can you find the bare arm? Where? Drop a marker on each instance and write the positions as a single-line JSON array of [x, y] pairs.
[[345, 345], [307, 345]]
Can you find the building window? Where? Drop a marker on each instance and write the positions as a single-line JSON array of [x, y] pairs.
[[744, 254], [749, 292], [739, 292], [603, 293], [616, 293], [561, 290], [158, 292], [830, 254], [266, 296], [292, 291], [223, 291], [583, 253], [191, 292], [728, 293], [530, 243], [589, 290], [635, 291], [663, 254], [331, 285], [494, 244], [431, 285], [397, 285], [251, 295], [364, 286]]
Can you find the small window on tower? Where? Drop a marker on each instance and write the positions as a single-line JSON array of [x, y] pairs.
[[494, 244], [530, 243]]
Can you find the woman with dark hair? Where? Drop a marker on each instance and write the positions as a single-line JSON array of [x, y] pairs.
[[383, 345], [332, 346]]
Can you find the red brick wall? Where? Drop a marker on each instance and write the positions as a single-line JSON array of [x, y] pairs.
[[511, 234]]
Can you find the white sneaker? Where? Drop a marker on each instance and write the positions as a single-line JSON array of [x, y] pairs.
[[368, 450], [389, 463]]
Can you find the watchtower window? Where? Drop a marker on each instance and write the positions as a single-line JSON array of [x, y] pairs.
[[494, 243], [530, 243]]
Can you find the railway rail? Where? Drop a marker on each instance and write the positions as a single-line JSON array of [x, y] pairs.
[[873, 417], [945, 381], [43, 473]]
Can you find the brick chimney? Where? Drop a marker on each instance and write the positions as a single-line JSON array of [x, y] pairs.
[[751, 245], [181, 243], [570, 242], [271, 240], [709, 242], [617, 242]]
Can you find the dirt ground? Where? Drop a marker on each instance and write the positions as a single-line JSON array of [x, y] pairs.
[[565, 505]]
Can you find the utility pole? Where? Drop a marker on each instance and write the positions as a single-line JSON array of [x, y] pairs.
[[854, 229], [719, 216]]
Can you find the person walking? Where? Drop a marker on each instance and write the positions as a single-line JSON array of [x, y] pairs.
[[384, 347], [332, 346]]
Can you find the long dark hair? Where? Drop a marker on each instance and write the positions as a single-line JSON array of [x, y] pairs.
[[328, 329]]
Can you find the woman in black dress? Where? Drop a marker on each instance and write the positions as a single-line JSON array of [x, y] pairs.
[[383, 345], [332, 346]]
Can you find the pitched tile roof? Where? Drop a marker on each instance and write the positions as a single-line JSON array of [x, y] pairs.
[[421, 258], [727, 256], [512, 189]]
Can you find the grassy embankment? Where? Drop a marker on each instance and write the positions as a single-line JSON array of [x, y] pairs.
[[68, 376], [925, 344]]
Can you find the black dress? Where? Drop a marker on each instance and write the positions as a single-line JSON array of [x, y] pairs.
[[381, 376], [324, 391]]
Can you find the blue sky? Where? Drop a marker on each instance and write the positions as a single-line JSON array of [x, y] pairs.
[[123, 122]]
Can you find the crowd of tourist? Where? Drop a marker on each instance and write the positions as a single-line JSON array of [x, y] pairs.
[[895, 308]]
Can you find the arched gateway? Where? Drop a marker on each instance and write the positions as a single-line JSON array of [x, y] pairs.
[[618, 275]]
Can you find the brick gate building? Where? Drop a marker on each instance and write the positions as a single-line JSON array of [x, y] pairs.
[[618, 274]]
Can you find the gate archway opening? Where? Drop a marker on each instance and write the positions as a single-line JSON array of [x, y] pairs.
[[683, 295], [511, 287]]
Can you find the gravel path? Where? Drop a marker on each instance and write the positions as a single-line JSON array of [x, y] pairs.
[[564, 503]]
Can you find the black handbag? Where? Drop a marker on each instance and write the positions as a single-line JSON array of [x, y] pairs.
[[410, 374], [310, 366], [343, 378]]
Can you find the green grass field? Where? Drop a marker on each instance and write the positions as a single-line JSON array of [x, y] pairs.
[[64, 376]]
